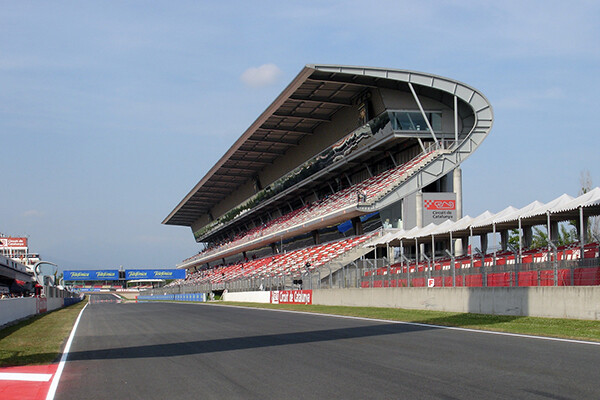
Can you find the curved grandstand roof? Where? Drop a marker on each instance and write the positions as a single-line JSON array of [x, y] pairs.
[[310, 100]]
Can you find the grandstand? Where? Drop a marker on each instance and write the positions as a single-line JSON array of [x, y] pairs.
[[342, 154]]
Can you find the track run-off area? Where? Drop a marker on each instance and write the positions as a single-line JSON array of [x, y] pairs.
[[183, 351]]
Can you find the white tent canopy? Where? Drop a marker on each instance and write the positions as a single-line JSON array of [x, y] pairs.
[[562, 208]]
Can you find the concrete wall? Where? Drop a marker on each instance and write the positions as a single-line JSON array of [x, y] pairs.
[[19, 308], [14, 309], [54, 303], [578, 302], [250, 297]]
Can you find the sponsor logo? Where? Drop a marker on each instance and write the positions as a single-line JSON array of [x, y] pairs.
[[291, 297], [138, 274], [80, 274], [163, 273], [106, 274], [440, 204]]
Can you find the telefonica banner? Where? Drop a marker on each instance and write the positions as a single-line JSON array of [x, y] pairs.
[[92, 275], [132, 274]]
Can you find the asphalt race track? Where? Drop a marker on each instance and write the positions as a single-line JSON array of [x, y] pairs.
[[197, 351]]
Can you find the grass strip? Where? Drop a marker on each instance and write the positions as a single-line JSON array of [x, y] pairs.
[[39, 339], [549, 327]]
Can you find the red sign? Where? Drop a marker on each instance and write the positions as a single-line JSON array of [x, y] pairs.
[[440, 204], [291, 297], [13, 242]]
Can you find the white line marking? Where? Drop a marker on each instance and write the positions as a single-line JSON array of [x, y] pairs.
[[63, 359], [421, 324], [30, 377]]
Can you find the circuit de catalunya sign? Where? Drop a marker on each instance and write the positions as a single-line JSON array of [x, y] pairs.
[[291, 297]]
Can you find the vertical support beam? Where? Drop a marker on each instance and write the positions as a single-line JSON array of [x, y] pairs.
[[527, 236], [433, 249], [520, 241], [357, 225], [419, 208], [455, 119], [582, 229], [484, 242], [457, 186], [549, 228], [471, 243], [504, 240], [316, 237], [495, 242]]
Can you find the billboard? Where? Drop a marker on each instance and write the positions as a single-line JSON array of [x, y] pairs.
[[13, 242], [438, 207], [291, 297], [92, 275], [132, 274]]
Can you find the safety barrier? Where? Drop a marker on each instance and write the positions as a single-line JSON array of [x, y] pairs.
[[200, 297], [549, 273]]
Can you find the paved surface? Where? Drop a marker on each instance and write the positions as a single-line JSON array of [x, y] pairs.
[[186, 351], [104, 298]]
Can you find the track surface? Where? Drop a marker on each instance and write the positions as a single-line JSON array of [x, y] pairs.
[[187, 351]]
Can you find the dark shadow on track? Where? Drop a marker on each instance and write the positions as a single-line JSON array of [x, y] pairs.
[[242, 343]]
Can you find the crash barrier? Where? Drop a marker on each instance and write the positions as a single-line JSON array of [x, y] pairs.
[[18, 308], [574, 302], [201, 297]]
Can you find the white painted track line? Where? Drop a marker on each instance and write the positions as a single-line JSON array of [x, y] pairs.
[[29, 377], [63, 359]]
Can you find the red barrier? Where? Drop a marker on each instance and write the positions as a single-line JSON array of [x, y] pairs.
[[419, 282], [500, 279], [473, 281], [528, 278], [587, 276]]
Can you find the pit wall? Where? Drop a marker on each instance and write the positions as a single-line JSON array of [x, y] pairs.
[[577, 302], [15, 309]]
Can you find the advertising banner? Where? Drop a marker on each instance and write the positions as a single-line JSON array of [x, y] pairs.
[[13, 242], [438, 207], [132, 274], [92, 275], [291, 297]]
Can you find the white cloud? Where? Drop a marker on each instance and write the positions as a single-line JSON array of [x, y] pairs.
[[265, 75], [33, 213]]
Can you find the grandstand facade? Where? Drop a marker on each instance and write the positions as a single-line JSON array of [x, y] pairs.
[[341, 155], [341, 152]]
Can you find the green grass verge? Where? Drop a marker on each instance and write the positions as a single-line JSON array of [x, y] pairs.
[[550, 327], [39, 339]]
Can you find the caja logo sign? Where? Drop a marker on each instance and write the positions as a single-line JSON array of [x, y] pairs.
[[440, 204]]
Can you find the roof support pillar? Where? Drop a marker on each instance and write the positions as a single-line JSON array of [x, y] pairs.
[[495, 243], [455, 119], [412, 89], [520, 241], [582, 230], [457, 186]]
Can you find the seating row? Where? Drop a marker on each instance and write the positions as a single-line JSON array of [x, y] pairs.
[[293, 263], [368, 191]]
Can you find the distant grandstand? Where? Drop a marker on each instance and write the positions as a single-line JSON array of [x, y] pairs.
[[342, 153]]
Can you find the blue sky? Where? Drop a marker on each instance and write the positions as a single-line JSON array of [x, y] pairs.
[[110, 112]]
